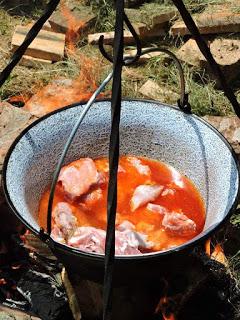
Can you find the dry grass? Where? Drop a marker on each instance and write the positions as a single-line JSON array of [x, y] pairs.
[[26, 81]]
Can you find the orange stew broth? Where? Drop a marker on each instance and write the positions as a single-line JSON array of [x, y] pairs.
[[186, 199]]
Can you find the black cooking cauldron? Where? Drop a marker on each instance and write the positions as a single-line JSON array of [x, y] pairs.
[[148, 128]]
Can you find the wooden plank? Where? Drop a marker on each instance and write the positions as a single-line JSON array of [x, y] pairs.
[[108, 37], [219, 22], [47, 45], [83, 18], [46, 26], [142, 31], [31, 62], [152, 18]]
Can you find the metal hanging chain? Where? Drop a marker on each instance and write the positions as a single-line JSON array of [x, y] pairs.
[[207, 54], [31, 35], [113, 162]]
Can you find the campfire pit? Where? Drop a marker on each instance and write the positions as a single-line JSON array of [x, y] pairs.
[[182, 293], [154, 285]]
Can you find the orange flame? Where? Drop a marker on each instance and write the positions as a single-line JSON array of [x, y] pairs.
[[74, 28], [208, 247], [160, 307], [217, 253], [171, 317], [63, 92]]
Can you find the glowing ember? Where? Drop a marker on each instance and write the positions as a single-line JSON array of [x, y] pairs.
[[171, 317], [161, 309], [3, 281]]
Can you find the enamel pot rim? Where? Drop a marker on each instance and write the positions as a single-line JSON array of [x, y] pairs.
[[100, 257]]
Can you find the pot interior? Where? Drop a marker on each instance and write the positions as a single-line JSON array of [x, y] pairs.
[[147, 129]]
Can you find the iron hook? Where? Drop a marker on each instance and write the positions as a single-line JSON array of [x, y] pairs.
[[127, 61]]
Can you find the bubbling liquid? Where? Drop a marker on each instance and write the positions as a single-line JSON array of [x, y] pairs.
[[160, 203]]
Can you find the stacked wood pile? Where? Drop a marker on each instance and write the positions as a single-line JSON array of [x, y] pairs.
[[50, 44], [219, 24]]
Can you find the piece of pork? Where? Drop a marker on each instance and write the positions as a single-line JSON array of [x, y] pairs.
[[141, 168], [104, 167], [144, 194], [179, 223], [58, 235], [157, 208], [88, 239], [127, 241], [63, 219], [125, 226], [103, 173], [168, 192], [92, 197], [91, 239], [78, 177], [124, 245], [134, 238]]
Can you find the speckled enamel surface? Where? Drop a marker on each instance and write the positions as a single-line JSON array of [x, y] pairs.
[[147, 129]]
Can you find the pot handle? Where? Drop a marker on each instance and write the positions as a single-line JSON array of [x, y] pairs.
[[45, 236], [182, 102]]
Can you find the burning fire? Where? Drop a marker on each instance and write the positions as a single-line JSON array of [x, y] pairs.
[[74, 27], [217, 253], [63, 92], [208, 247], [162, 309]]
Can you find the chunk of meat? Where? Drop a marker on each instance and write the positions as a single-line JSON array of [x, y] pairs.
[[157, 208], [127, 241], [125, 225], [124, 245], [141, 168], [78, 177], [63, 219], [102, 178], [179, 223], [135, 239], [88, 239], [103, 173], [168, 192], [104, 167], [144, 194], [92, 197], [57, 235]]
